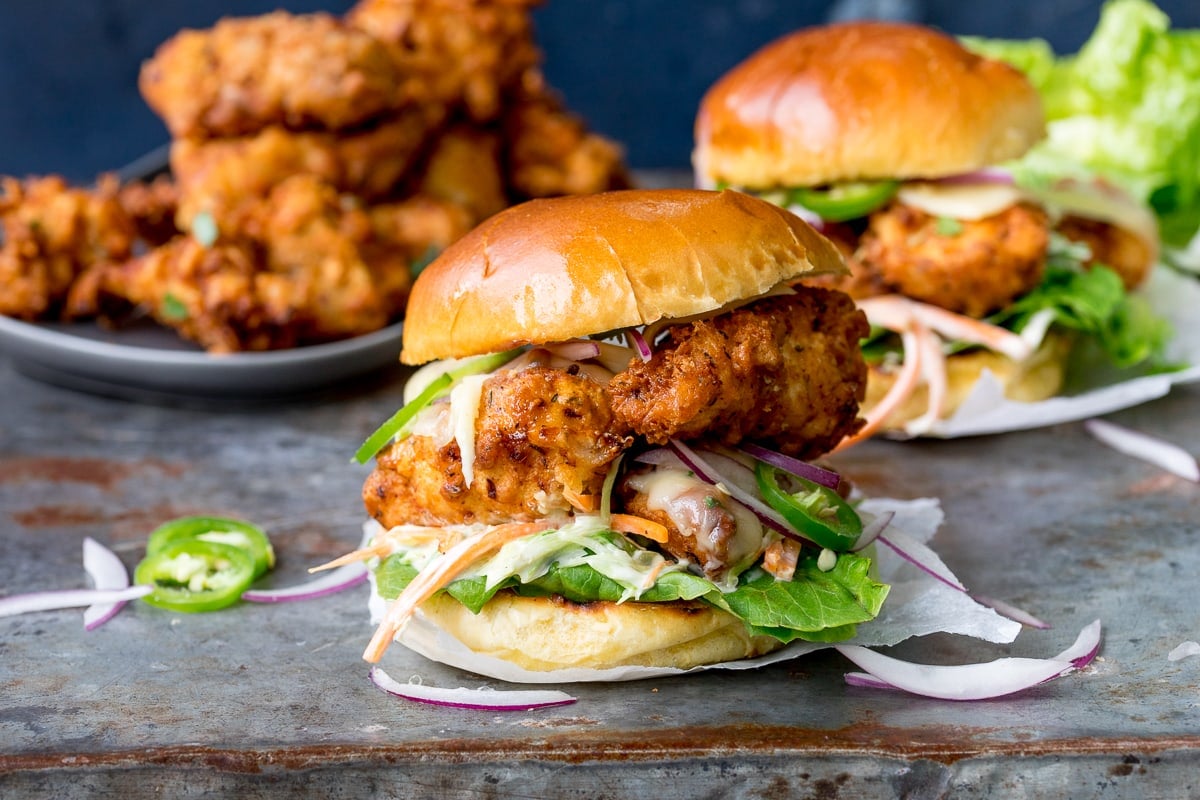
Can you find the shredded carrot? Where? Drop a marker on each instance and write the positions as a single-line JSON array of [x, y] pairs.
[[580, 502], [383, 544], [976, 331], [438, 575], [629, 523], [906, 383], [652, 576]]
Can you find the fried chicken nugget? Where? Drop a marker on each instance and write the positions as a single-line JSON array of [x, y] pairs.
[[786, 372], [318, 266], [225, 177], [540, 431], [51, 233], [299, 71], [550, 151], [452, 52]]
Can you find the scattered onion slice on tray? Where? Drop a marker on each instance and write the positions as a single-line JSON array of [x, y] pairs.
[[107, 572], [920, 556], [67, 598], [997, 678], [479, 699], [340, 579], [1012, 612], [1168, 456]]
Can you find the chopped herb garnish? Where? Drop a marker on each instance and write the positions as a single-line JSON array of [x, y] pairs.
[[948, 226], [173, 308]]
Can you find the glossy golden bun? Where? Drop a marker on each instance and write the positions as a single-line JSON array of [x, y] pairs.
[[1038, 378], [862, 101], [542, 634], [550, 270]]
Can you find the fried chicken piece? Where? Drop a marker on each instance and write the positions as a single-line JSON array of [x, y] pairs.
[[453, 52], [225, 177], [151, 205], [299, 71], [1128, 255], [786, 372], [463, 168], [700, 527], [51, 233], [309, 267], [541, 434], [550, 151], [862, 281], [974, 268]]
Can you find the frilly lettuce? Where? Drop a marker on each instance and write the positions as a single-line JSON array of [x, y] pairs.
[[1126, 106]]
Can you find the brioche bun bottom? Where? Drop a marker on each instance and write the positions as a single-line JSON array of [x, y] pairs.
[[545, 634], [549, 634], [1039, 377]]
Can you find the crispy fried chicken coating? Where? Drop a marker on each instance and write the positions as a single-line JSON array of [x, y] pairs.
[[453, 51], [308, 267], [786, 371], [1126, 254], [151, 205], [299, 71], [51, 233], [541, 434], [550, 151], [225, 177], [971, 267], [464, 168]]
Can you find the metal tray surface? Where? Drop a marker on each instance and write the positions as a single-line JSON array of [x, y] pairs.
[[274, 701]]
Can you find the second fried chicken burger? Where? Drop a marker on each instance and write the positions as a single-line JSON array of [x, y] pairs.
[[898, 143], [606, 459]]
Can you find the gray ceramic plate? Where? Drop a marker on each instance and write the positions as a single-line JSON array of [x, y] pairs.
[[143, 361]]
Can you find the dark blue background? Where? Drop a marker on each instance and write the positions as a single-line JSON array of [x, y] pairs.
[[634, 68]]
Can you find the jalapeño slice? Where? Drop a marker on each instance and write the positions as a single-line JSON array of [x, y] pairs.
[[240, 534], [816, 511], [845, 201], [193, 575]]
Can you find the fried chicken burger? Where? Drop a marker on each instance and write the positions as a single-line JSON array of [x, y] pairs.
[[892, 139], [606, 459]]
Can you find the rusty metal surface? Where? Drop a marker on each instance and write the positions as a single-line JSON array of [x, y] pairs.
[[266, 701]]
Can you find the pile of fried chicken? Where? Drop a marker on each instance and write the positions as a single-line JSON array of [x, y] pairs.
[[316, 163]]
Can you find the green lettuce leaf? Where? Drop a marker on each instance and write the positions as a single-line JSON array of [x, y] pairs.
[[1126, 107], [814, 605], [1092, 302]]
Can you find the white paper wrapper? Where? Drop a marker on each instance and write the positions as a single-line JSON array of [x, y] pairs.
[[1175, 297], [917, 605]]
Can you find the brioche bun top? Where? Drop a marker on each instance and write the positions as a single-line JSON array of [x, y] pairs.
[[862, 101], [555, 269]]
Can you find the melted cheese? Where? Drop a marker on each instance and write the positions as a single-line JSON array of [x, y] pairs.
[[664, 489], [966, 201]]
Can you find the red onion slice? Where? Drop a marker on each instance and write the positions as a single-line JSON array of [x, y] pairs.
[[922, 557], [107, 572], [67, 598], [705, 472], [481, 699], [575, 350], [998, 678], [1184, 650], [1012, 612], [332, 582], [872, 529], [994, 175], [640, 344], [812, 472], [1168, 456]]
